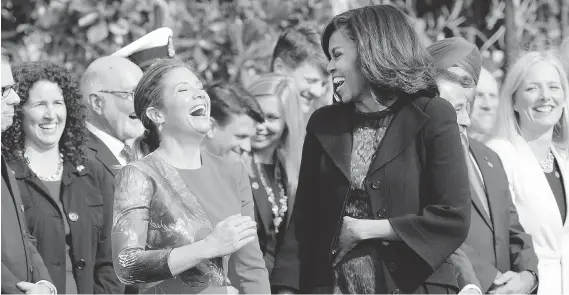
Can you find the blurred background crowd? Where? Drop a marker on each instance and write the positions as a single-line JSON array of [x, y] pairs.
[[233, 39]]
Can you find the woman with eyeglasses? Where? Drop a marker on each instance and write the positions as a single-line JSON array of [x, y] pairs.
[[67, 198]]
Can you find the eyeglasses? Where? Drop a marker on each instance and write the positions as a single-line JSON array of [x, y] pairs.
[[128, 95], [6, 89]]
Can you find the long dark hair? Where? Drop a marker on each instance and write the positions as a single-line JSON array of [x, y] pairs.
[[389, 52], [73, 137], [149, 93]]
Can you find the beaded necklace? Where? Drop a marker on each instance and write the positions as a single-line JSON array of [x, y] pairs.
[[56, 176], [547, 164], [278, 211]]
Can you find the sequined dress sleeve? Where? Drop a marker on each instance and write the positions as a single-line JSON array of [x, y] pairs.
[[132, 261]]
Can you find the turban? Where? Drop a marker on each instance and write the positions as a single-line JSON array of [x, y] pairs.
[[456, 51]]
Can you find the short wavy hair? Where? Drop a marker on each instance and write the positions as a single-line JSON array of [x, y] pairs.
[[299, 44], [389, 51], [73, 138]]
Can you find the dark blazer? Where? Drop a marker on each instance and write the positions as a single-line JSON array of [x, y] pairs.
[[264, 214], [85, 193], [418, 181], [20, 259], [102, 153], [497, 242]]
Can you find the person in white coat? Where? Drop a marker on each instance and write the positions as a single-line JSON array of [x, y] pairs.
[[532, 142]]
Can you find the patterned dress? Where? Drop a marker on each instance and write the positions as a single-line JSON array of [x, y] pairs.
[[360, 271]]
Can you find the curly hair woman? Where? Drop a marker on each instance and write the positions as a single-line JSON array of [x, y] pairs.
[[67, 198], [383, 193]]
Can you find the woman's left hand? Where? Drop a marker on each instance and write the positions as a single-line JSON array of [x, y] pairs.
[[349, 237]]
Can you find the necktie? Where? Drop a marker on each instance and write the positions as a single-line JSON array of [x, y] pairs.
[[476, 184], [126, 153]]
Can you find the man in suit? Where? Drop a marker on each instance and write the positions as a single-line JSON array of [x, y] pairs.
[[23, 270], [501, 253], [107, 87]]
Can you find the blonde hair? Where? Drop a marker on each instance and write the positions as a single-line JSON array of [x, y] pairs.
[[507, 123], [289, 151]]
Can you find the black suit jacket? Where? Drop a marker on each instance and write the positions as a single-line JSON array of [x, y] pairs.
[[20, 259], [418, 181], [497, 242], [86, 193], [102, 153]]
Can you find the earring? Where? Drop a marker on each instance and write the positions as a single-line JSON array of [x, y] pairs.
[[160, 127]]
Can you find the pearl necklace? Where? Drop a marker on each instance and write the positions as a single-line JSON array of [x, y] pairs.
[[56, 176], [547, 164], [278, 212]]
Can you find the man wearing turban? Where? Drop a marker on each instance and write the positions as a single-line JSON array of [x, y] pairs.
[[500, 251], [459, 57]]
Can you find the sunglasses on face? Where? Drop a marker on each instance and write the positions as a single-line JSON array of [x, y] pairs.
[[128, 95], [6, 89]]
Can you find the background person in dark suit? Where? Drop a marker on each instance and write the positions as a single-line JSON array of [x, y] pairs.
[[383, 196], [501, 253], [22, 265]]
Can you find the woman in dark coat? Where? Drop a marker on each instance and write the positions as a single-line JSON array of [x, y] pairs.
[[67, 198], [383, 193]]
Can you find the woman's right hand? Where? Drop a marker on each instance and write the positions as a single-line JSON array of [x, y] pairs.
[[231, 234]]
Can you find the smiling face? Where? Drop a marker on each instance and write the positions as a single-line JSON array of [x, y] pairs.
[[349, 82], [186, 109], [540, 99], [270, 132], [310, 81], [44, 115], [234, 137]]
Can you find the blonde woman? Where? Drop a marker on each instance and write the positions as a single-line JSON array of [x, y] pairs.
[[532, 141], [275, 157]]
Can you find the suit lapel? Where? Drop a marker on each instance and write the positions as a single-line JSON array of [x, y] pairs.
[[335, 137], [491, 189], [402, 130], [103, 154], [262, 203]]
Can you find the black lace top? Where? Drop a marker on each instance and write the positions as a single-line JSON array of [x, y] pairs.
[[360, 271]]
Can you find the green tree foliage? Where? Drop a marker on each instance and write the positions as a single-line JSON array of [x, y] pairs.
[[233, 39]]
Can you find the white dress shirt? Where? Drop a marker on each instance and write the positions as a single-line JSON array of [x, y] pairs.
[[114, 144]]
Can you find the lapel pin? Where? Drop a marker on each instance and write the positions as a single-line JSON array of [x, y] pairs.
[[80, 168], [255, 185], [22, 207], [13, 172], [490, 164], [73, 216]]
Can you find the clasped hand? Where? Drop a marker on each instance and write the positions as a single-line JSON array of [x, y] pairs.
[[350, 236], [231, 234], [513, 283]]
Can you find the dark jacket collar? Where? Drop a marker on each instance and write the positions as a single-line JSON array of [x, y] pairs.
[[103, 153], [335, 127], [23, 171]]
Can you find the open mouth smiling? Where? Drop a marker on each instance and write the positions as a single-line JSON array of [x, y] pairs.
[[198, 111], [338, 82]]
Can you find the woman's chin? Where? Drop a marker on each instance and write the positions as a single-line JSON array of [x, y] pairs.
[[200, 124]]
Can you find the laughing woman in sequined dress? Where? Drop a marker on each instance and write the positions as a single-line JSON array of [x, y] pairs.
[[275, 158], [181, 213], [533, 142], [383, 193]]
